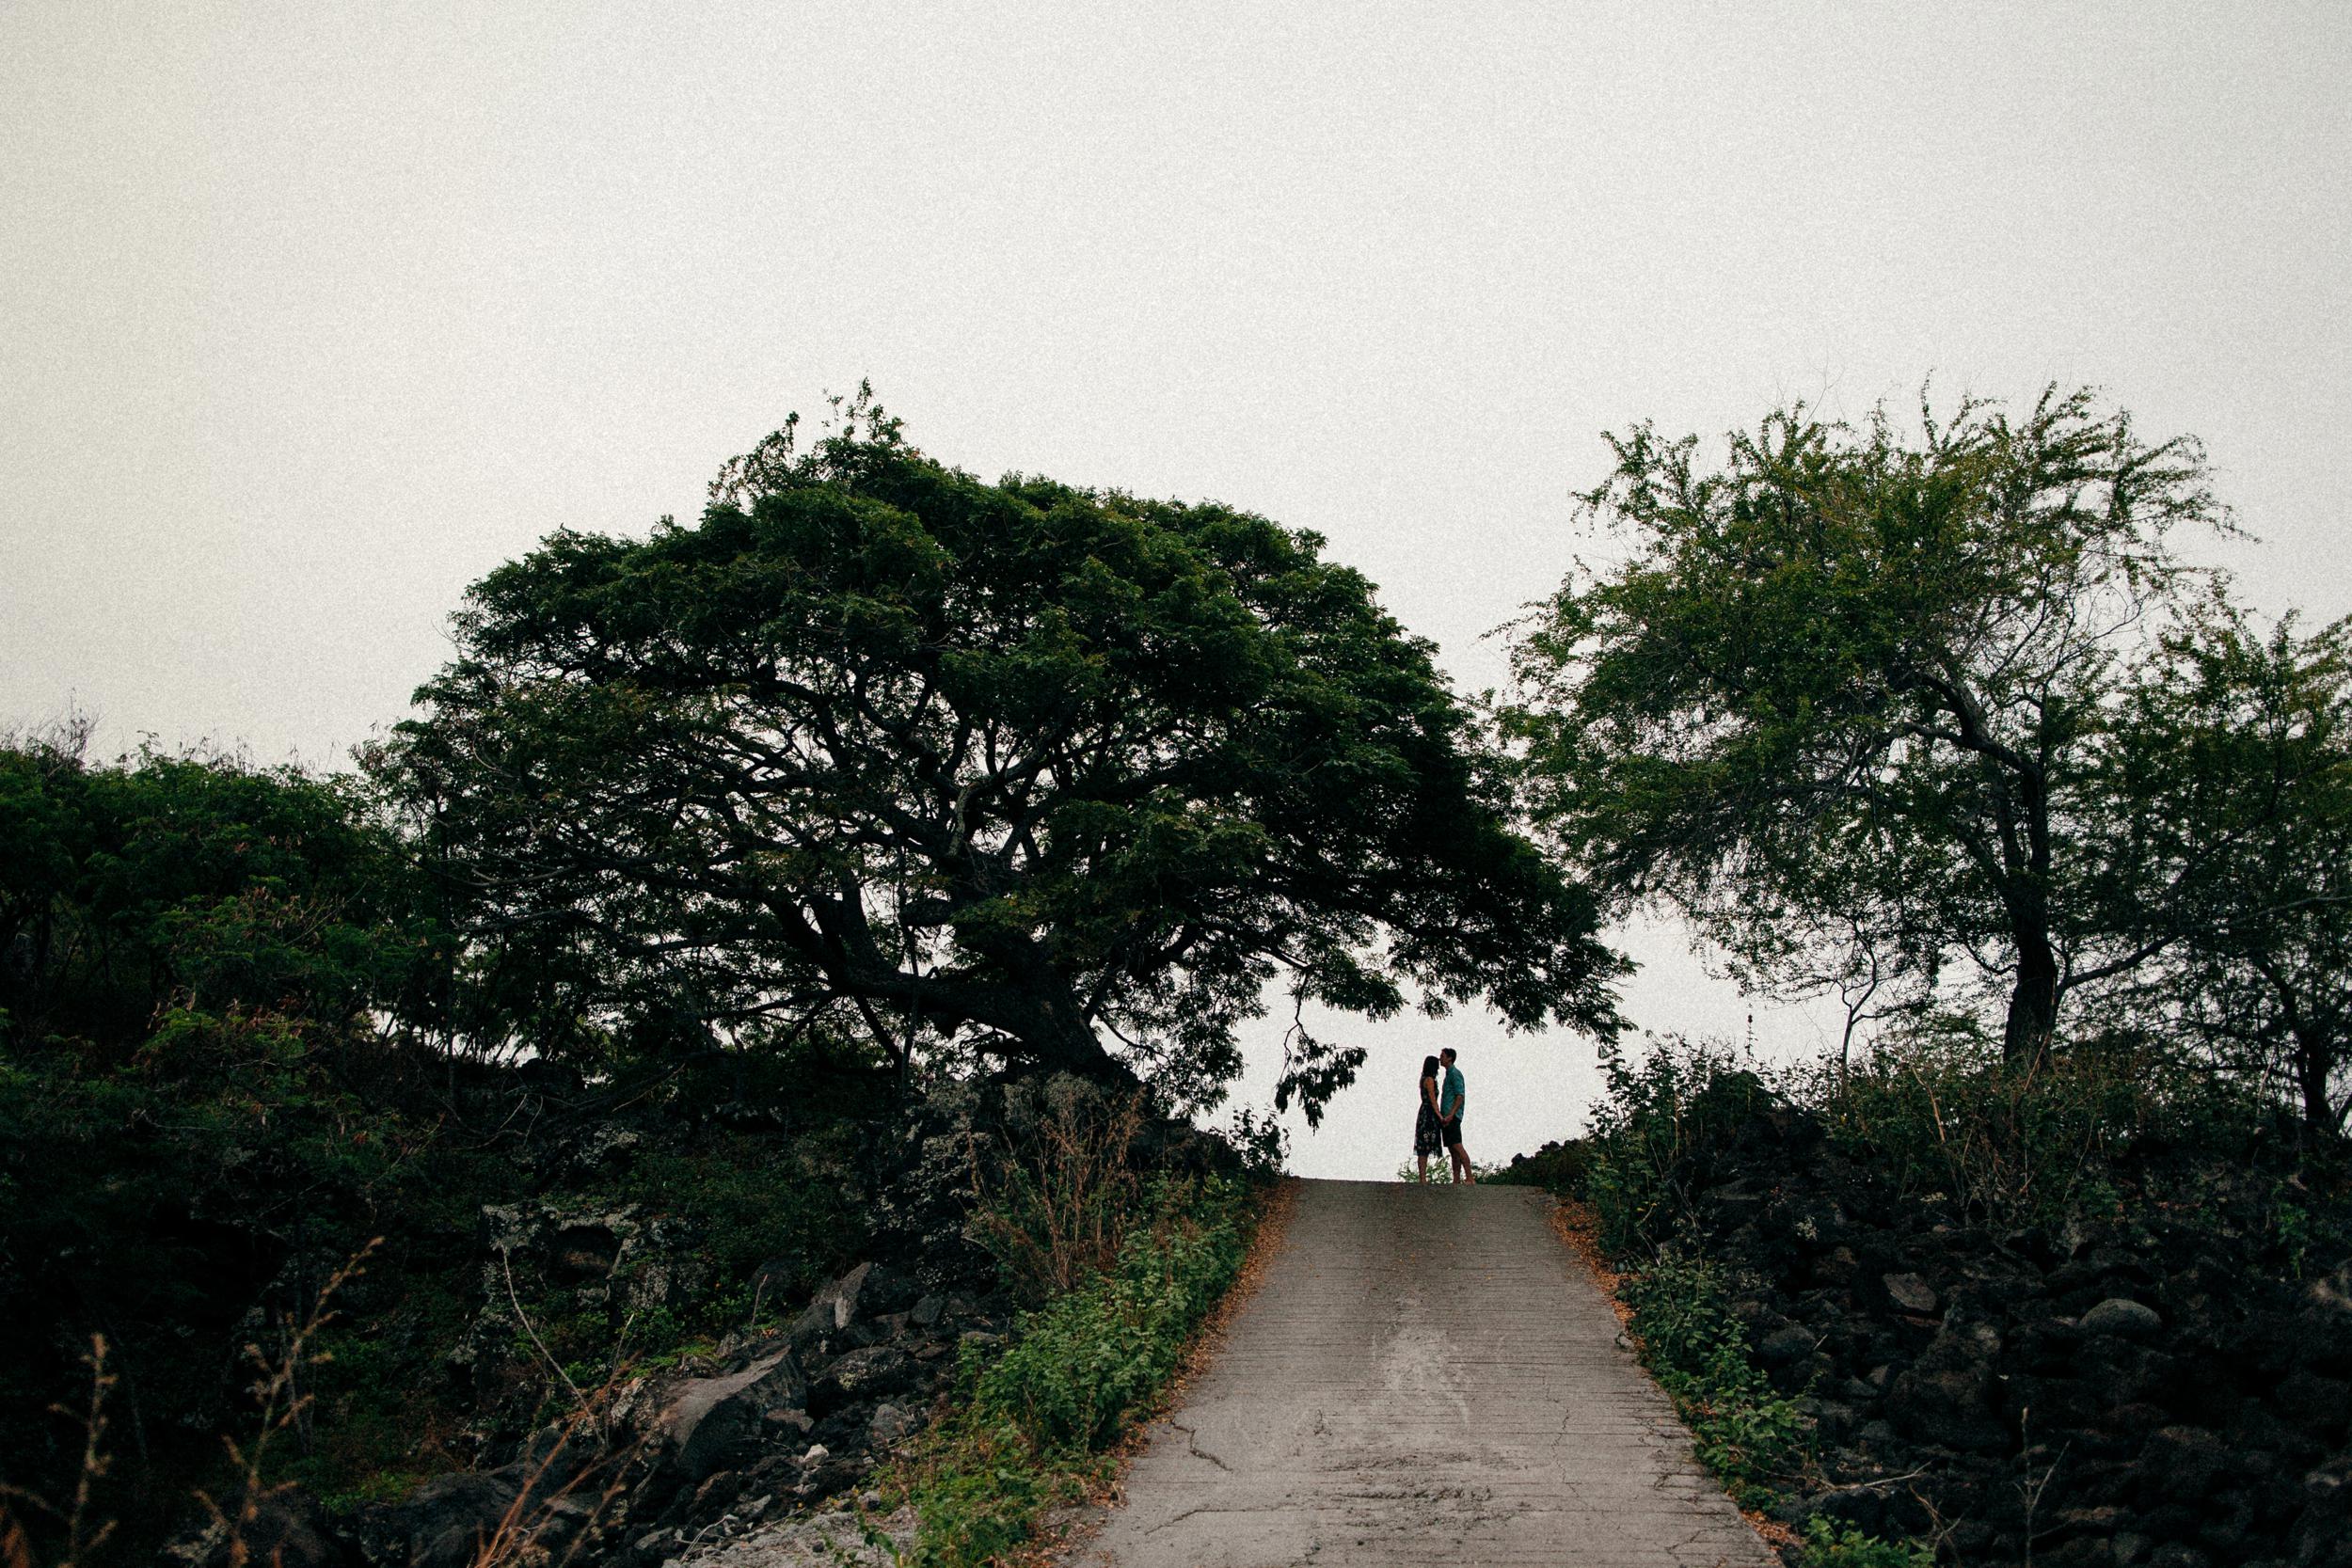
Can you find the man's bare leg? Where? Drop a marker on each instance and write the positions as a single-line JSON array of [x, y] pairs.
[[1461, 1164]]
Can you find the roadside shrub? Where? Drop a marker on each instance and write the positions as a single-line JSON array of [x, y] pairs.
[[1056, 1206], [1076, 1374], [1744, 1431], [1830, 1545], [1563, 1169], [1651, 1119], [1081, 1362]]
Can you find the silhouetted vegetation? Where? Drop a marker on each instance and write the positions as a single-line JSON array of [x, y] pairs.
[[675, 1015], [1942, 724]]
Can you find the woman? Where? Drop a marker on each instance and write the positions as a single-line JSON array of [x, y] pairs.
[[1428, 1132]]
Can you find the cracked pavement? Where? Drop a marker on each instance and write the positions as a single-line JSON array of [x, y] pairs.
[[1426, 1375]]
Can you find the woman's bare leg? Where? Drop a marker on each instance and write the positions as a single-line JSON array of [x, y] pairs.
[[1424, 1167]]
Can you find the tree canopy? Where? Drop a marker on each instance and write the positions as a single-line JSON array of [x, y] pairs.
[[2228, 847], [1840, 701], [1056, 775]]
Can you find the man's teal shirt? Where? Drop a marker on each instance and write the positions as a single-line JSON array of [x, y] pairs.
[[1449, 1097]]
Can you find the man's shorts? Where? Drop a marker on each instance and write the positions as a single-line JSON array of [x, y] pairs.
[[1454, 1132]]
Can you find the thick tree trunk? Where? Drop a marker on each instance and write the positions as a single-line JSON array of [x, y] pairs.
[[1035, 1003], [1052, 1025], [2315, 1062], [1076, 1049], [2033, 998]]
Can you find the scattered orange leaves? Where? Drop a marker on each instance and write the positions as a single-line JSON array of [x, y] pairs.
[[1581, 1231]]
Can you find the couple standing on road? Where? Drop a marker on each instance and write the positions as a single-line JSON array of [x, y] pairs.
[[1439, 1121]]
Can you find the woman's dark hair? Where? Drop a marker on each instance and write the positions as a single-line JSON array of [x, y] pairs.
[[1429, 1067]]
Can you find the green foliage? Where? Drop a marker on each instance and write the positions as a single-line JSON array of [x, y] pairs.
[[1943, 1112], [1563, 1169], [1079, 1363], [1838, 702], [1037, 1418], [1751, 1437], [1261, 1141], [1831, 1544], [2228, 773], [750, 1205], [995, 768], [1655, 1116], [197, 1107], [203, 1112], [2293, 1228]]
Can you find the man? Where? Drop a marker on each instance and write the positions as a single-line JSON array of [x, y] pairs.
[[1449, 1102]]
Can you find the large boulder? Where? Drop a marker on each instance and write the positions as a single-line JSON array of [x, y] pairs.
[[2123, 1319], [862, 1377], [834, 1309], [709, 1424], [1948, 1397], [447, 1522], [1910, 1294]]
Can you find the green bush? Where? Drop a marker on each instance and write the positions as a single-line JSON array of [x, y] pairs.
[[1745, 1431], [1562, 1169], [1828, 1544], [1938, 1110], [1036, 1419], [1651, 1120]]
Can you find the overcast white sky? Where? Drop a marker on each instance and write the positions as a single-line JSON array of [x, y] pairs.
[[310, 314]]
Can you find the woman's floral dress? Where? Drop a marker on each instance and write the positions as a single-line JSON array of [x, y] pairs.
[[1428, 1132]]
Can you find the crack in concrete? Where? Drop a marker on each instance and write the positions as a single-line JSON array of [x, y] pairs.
[[1192, 1444]]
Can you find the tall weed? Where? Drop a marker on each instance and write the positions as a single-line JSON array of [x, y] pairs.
[[1056, 1205]]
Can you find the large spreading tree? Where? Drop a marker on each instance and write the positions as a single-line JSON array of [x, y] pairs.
[[1059, 776], [1841, 700]]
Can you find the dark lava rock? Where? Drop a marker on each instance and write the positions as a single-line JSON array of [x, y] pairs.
[[446, 1522], [863, 1376], [288, 1529], [835, 1309], [1784, 1346], [710, 1423], [2123, 1317], [1946, 1397], [1910, 1294]]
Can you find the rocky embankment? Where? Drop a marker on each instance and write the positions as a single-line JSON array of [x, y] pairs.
[[768, 1440], [686, 1462], [2168, 1388]]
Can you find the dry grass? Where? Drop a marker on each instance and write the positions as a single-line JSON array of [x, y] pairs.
[[518, 1539], [1577, 1225], [1057, 1209], [82, 1538]]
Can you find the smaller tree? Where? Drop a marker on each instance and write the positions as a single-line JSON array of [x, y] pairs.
[[2228, 850], [1837, 703]]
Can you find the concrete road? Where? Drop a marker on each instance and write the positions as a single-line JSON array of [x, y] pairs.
[[1426, 1376]]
